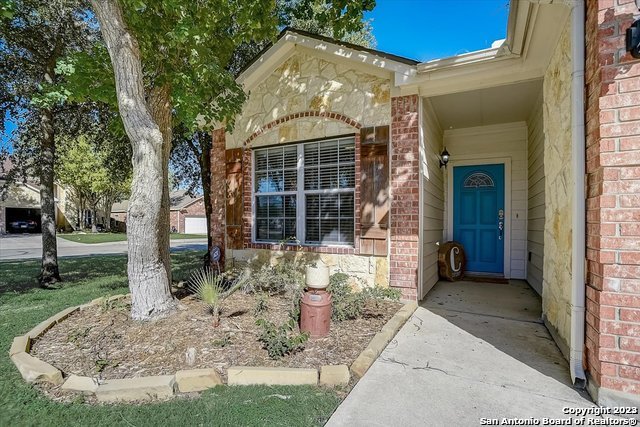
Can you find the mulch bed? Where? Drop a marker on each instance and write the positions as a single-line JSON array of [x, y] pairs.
[[103, 342]]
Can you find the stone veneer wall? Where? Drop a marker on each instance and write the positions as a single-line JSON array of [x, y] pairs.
[[309, 97], [613, 205], [535, 197], [306, 83], [556, 288]]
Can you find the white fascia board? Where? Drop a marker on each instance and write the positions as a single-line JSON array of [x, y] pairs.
[[274, 56], [342, 52], [286, 46], [520, 14], [475, 77], [478, 56]]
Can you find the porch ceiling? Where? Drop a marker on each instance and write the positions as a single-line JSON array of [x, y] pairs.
[[502, 104]]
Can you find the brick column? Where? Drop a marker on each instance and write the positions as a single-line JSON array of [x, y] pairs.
[[218, 190], [405, 196], [613, 204]]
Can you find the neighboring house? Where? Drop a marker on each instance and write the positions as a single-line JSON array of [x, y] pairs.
[[187, 213], [21, 205], [339, 147]]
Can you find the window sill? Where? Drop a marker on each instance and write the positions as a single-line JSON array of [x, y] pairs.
[[332, 249]]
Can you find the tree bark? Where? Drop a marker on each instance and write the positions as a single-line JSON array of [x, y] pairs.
[[147, 217], [205, 172], [108, 204], [94, 212], [159, 103], [49, 272]]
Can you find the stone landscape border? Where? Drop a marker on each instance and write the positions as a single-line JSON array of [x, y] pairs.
[[137, 389]]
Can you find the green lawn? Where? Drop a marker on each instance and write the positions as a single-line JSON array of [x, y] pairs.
[[117, 237], [23, 305]]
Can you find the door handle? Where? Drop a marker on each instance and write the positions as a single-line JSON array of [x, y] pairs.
[[500, 228]]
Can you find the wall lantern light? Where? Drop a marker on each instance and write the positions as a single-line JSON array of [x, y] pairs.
[[633, 38], [444, 157]]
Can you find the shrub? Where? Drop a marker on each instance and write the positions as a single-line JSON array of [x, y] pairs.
[[262, 303], [285, 277], [378, 293], [212, 289], [281, 340], [347, 304]]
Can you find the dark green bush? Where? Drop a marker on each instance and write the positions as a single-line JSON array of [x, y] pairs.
[[281, 340], [262, 303]]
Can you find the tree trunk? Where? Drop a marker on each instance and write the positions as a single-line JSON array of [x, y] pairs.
[[147, 217], [94, 212], [108, 204], [159, 103], [205, 176], [49, 272]]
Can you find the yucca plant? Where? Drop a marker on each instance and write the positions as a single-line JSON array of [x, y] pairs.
[[211, 288]]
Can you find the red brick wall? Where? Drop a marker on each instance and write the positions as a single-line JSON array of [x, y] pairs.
[[613, 198], [174, 222], [405, 196]]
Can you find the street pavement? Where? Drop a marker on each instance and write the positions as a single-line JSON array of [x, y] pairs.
[[29, 246]]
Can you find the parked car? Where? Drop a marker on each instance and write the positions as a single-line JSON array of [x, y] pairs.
[[22, 226]]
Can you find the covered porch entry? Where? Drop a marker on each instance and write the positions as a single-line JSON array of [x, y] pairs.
[[506, 196], [505, 193]]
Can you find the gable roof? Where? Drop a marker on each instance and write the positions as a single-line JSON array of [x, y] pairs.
[[291, 38], [331, 40], [178, 199]]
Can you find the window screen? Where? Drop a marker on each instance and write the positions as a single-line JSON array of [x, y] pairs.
[[324, 182]]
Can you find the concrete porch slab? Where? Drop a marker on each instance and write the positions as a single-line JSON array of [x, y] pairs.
[[471, 351]]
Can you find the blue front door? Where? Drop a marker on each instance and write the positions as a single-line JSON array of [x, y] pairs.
[[479, 216]]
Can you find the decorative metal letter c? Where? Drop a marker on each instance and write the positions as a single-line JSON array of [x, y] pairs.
[[452, 259]]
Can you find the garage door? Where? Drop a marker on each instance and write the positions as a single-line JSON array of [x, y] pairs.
[[195, 225], [22, 220]]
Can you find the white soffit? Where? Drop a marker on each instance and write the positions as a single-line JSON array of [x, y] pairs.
[[483, 107]]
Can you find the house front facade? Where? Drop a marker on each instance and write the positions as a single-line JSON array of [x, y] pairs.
[[20, 205], [186, 214], [337, 158]]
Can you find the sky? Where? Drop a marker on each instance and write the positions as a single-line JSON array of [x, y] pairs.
[[431, 29], [424, 29]]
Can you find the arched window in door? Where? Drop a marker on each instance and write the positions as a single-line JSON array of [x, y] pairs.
[[478, 179]]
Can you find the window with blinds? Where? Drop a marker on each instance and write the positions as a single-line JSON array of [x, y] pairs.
[[275, 186], [305, 192]]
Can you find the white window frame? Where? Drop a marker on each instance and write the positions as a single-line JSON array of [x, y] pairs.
[[300, 194]]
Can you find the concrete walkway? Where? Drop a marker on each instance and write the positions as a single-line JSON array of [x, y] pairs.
[[28, 246], [471, 351]]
